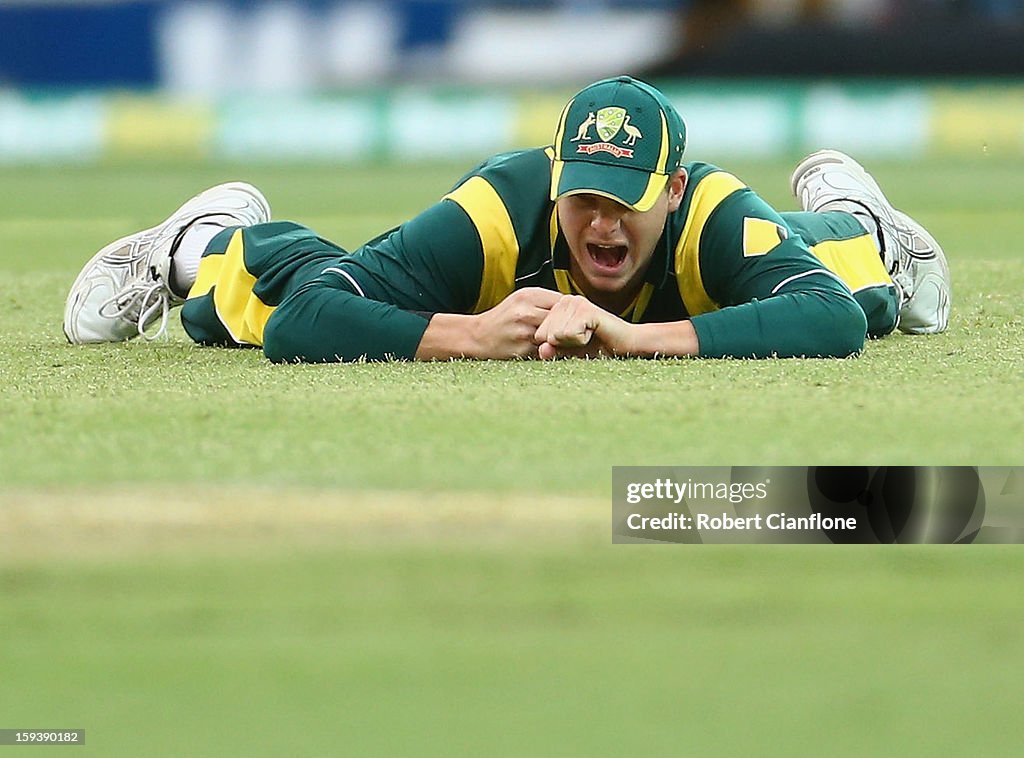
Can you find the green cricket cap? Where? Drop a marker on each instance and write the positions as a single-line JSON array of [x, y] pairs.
[[620, 138]]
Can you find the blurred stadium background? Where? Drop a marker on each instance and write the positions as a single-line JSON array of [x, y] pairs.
[[365, 80]]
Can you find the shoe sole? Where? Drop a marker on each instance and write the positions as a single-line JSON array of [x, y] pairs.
[[941, 280], [942, 308], [189, 208], [824, 157]]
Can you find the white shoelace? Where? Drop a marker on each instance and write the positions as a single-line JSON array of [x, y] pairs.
[[147, 297]]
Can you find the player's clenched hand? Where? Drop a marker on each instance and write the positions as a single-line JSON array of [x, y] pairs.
[[507, 330], [574, 326]]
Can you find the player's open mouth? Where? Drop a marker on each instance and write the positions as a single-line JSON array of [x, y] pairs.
[[607, 257]]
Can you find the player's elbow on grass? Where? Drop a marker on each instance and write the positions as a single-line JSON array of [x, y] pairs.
[[293, 334], [283, 341], [278, 345], [322, 323], [831, 325], [848, 330]]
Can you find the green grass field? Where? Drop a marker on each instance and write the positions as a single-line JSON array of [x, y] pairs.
[[205, 554]]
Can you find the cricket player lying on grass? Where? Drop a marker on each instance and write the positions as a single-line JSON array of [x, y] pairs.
[[604, 243]]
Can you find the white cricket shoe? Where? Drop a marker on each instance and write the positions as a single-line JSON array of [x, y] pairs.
[[125, 287], [831, 180]]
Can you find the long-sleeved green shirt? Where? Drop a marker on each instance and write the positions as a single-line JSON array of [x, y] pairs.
[[743, 273]]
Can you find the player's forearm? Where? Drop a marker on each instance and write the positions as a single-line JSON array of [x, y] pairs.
[[448, 335], [814, 324], [323, 324], [670, 339]]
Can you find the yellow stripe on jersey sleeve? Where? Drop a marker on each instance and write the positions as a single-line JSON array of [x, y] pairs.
[[856, 261], [707, 196], [760, 236], [209, 271], [240, 310], [485, 208]]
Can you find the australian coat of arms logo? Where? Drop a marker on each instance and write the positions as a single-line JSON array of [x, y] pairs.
[[607, 122]]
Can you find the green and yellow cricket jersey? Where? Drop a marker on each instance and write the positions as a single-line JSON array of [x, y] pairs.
[[754, 282]]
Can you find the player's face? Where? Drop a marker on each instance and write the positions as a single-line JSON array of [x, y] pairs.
[[611, 244]]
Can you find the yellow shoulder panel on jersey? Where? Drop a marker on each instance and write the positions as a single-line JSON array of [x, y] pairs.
[[239, 309], [761, 236], [484, 206], [707, 196]]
